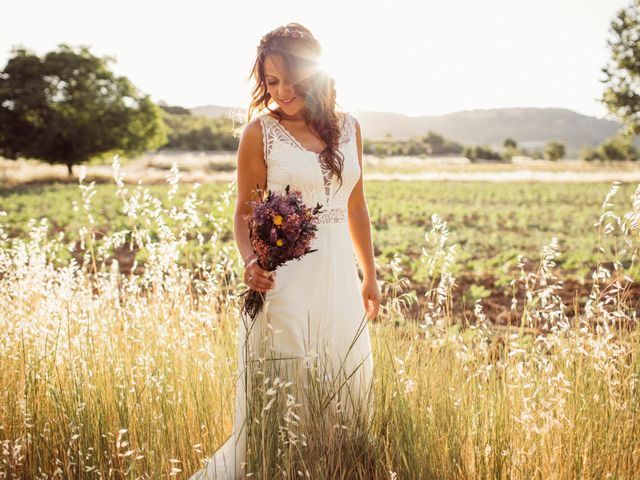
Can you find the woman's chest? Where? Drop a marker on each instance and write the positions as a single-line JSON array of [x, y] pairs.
[[304, 171]]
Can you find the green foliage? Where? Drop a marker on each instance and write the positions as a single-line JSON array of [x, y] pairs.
[[590, 154], [622, 73], [616, 148], [440, 145], [174, 109], [535, 154], [476, 292], [69, 108], [189, 132], [510, 148], [554, 150], [429, 144], [619, 147], [481, 152], [510, 143]]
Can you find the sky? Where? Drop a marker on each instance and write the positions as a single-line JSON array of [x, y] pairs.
[[414, 57]]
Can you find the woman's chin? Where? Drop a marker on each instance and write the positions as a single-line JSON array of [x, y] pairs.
[[290, 107]]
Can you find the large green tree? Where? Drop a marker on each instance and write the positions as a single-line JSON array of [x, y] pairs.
[[622, 73], [68, 108]]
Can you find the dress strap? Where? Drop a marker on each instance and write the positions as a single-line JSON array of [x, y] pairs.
[[348, 128], [267, 136]]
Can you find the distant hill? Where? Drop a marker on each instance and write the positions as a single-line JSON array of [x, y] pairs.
[[213, 111], [529, 127]]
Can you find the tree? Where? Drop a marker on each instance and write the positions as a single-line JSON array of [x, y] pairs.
[[618, 147], [438, 145], [510, 148], [175, 109], [69, 108], [510, 143], [590, 154], [622, 94], [480, 152], [554, 150], [194, 132]]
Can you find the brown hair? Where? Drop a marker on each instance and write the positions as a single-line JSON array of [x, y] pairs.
[[300, 53]]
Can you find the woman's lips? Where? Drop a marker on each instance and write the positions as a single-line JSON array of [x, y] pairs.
[[289, 101]]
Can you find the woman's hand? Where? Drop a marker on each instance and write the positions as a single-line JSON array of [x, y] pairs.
[[256, 277], [371, 296]]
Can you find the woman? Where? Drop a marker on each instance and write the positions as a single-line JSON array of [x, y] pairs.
[[315, 307]]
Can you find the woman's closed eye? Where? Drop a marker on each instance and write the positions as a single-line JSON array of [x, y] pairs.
[[294, 84]]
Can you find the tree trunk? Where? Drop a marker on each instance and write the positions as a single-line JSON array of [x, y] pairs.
[[69, 169]]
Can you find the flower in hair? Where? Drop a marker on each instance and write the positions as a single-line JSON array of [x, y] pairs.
[[281, 33]]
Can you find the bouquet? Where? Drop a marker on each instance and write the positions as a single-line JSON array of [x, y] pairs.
[[281, 228]]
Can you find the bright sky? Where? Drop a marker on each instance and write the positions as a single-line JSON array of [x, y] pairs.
[[427, 57]]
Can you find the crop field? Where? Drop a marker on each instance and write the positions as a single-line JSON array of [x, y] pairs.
[[490, 226]]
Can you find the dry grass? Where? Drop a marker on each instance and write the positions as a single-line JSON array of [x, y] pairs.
[[203, 167], [109, 376]]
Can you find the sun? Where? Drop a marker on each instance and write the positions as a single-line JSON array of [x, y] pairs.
[[321, 65], [325, 66]]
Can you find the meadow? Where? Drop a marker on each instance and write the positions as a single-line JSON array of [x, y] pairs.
[[506, 346]]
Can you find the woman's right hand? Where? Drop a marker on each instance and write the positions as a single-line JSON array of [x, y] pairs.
[[257, 278]]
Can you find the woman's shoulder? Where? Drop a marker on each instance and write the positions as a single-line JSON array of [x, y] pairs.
[[252, 137], [346, 116], [350, 124], [349, 119], [253, 129]]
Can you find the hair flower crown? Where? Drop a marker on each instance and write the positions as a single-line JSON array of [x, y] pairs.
[[282, 32]]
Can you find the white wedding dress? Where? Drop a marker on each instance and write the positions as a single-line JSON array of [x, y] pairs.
[[316, 307]]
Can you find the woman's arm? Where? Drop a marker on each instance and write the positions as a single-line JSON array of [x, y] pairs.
[[360, 231], [359, 221], [251, 171]]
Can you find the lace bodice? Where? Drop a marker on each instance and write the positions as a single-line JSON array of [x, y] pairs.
[[289, 163]]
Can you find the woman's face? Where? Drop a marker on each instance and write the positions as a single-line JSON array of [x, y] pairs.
[[280, 88]]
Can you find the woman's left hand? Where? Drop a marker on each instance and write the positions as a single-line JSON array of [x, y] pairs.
[[371, 297]]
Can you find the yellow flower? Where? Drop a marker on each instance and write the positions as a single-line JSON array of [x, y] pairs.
[[279, 242], [278, 220]]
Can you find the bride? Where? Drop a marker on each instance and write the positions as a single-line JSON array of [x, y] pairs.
[[316, 306]]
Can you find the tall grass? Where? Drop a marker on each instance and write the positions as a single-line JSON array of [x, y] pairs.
[[114, 376]]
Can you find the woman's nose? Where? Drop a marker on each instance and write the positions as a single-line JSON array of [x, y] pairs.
[[285, 90]]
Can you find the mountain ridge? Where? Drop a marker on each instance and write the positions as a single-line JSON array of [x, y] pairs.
[[530, 127]]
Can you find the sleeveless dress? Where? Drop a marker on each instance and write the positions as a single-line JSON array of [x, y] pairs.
[[316, 308]]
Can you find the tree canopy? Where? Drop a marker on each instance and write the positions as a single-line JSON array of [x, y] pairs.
[[68, 108], [622, 73], [554, 150]]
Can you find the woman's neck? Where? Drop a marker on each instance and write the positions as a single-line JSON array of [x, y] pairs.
[[298, 117]]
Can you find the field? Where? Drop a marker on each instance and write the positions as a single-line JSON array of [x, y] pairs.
[[506, 345], [490, 226]]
